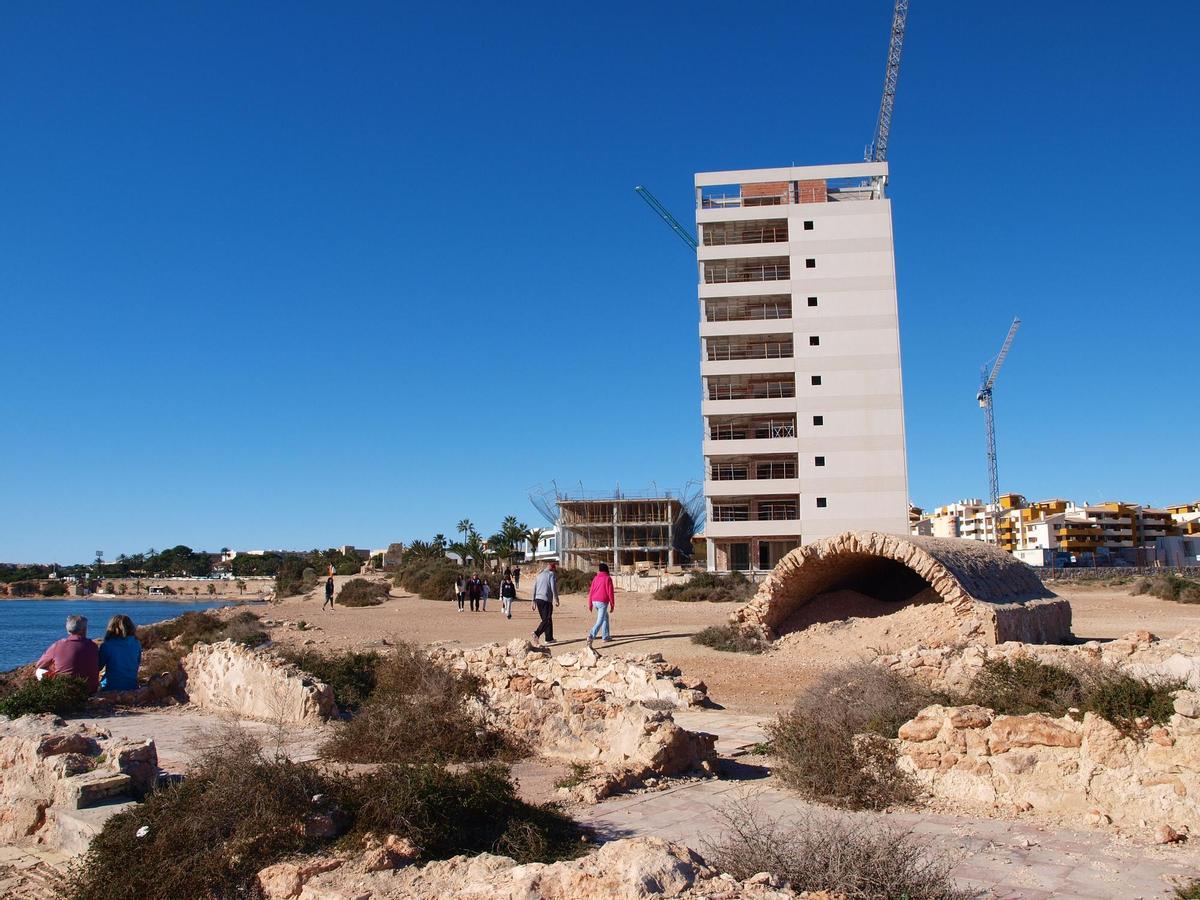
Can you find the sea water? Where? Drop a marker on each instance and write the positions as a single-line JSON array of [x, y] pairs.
[[27, 627]]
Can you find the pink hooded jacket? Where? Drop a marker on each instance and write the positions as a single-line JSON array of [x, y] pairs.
[[601, 591]]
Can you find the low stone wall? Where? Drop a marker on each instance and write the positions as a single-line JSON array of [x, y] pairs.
[[254, 684], [612, 712], [952, 668], [48, 767], [629, 869], [1078, 768]]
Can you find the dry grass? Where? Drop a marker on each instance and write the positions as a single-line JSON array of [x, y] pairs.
[[828, 852], [729, 638], [361, 592], [417, 712], [832, 746], [1168, 587]]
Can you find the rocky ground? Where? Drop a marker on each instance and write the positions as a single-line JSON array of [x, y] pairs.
[[1002, 852]]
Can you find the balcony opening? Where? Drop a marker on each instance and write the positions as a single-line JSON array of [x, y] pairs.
[[765, 346], [743, 387], [730, 271], [743, 309], [759, 231], [742, 429]]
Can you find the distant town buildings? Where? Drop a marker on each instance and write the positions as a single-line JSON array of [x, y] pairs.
[[1063, 533], [800, 360]]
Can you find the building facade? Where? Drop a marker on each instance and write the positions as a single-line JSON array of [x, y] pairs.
[[802, 401], [629, 533]]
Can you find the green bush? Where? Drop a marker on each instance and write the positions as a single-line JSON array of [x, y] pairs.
[[711, 587], [816, 747], [349, 673], [1122, 699], [729, 638], [570, 581], [417, 712], [194, 628], [361, 592], [62, 696], [432, 579], [240, 810], [1169, 587], [1025, 686], [1189, 891], [54, 589]]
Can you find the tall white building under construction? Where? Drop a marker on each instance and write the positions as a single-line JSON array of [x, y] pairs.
[[800, 360]]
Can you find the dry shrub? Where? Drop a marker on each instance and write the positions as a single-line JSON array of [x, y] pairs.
[[194, 628], [361, 592], [708, 586], [828, 852], [448, 813], [210, 833], [432, 579], [816, 746], [1168, 587], [351, 674], [729, 638], [418, 712], [240, 810]]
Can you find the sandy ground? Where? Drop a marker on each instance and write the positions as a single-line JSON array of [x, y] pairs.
[[742, 683]]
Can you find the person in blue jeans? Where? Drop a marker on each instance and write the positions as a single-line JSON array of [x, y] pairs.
[[602, 600], [120, 655]]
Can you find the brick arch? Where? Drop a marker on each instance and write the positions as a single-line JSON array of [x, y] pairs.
[[991, 595]]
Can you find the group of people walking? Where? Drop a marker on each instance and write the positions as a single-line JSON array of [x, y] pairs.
[[474, 591], [118, 656]]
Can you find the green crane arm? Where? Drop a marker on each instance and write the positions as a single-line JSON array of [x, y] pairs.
[[666, 216]]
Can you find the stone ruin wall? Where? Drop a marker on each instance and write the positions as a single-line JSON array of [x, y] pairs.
[[611, 712], [988, 595], [254, 684]]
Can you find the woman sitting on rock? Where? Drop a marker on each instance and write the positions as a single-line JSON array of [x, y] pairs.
[[120, 655]]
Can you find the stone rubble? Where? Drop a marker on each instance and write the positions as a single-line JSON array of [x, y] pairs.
[[47, 765], [612, 713], [952, 668], [628, 869], [254, 684]]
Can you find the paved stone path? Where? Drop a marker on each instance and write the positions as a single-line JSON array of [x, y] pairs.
[[1014, 860], [31, 873]]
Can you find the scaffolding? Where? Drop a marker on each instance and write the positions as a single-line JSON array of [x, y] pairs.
[[630, 534]]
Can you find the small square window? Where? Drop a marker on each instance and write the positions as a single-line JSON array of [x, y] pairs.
[[818, 460], [818, 420], [810, 263], [814, 340], [816, 380], [822, 502], [812, 301], [808, 225]]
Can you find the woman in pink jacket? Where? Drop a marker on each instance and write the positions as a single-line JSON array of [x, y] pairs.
[[602, 600]]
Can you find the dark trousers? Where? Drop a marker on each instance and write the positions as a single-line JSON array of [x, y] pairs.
[[328, 600], [474, 603], [545, 610], [461, 597]]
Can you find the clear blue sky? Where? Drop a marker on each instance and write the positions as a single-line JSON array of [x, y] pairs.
[[292, 274]]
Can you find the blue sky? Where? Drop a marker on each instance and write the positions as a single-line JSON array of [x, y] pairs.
[[312, 274]]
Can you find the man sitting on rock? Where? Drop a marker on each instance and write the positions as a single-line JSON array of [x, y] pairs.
[[73, 655]]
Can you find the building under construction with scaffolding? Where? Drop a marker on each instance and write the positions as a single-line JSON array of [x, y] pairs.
[[646, 531]]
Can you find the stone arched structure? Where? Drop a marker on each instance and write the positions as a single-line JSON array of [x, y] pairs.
[[988, 595]]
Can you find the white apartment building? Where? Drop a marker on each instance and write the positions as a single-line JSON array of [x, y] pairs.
[[802, 400]]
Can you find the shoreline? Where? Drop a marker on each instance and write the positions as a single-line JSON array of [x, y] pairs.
[[140, 598]]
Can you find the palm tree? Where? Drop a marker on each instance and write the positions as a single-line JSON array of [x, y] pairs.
[[465, 527], [439, 541], [534, 536], [460, 550], [500, 546], [241, 586], [212, 588], [475, 548]]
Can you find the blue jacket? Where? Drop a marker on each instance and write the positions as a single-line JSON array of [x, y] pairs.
[[120, 658]]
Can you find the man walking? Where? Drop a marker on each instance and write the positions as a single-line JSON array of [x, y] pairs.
[[545, 598], [328, 594], [474, 592]]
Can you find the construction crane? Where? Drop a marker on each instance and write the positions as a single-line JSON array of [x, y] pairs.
[[665, 214], [985, 403], [877, 149]]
